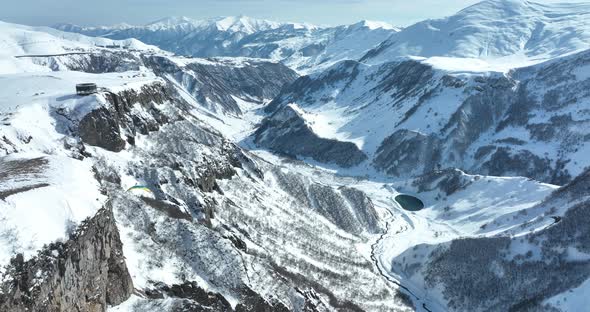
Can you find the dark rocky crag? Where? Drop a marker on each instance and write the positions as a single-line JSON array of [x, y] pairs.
[[215, 83], [287, 133], [188, 296], [104, 126], [86, 273]]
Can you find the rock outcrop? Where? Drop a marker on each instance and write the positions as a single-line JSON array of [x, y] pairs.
[[104, 127], [86, 273], [216, 84], [287, 133], [100, 128]]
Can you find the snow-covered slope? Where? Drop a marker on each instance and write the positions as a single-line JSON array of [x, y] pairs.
[[177, 152], [303, 47], [217, 218], [46, 190], [20, 42], [409, 117], [541, 264], [517, 31]]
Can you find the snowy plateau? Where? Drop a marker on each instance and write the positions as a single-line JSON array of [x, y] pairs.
[[237, 164]]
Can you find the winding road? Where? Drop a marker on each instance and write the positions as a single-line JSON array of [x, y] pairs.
[[52, 55], [383, 272]]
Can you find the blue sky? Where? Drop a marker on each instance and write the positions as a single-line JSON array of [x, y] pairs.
[[323, 12]]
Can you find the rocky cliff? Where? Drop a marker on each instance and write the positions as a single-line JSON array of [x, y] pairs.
[[86, 273], [216, 84], [286, 132]]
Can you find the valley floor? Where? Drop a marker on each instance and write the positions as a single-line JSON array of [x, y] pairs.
[[485, 200]]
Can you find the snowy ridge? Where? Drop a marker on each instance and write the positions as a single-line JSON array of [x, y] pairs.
[[238, 24], [137, 122], [411, 104], [34, 165], [22, 41], [524, 30], [303, 47]]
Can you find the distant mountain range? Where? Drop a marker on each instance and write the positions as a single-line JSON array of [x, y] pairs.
[[303, 47]]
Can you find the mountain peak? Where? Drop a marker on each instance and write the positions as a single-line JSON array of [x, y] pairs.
[[244, 24], [375, 25], [500, 7], [239, 23], [494, 29], [172, 21]]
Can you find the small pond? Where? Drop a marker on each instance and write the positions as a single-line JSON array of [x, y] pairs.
[[409, 203]]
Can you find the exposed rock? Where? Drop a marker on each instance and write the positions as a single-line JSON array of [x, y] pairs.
[[253, 302], [490, 123], [147, 98], [408, 152], [97, 62], [198, 299], [100, 128], [215, 84], [104, 126], [504, 161], [86, 273], [286, 132], [448, 180], [171, 210], [301, 90], [194, 298]]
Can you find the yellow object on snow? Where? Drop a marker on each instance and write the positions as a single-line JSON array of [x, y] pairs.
[[141, 191]]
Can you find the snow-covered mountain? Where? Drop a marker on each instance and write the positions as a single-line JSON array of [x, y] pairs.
[[231, 24], [410, 117], [234, 184], [304, 47], [199, 235], [516, 31], [20, 42]]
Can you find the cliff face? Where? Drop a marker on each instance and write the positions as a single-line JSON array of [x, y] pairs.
[[286, 132], [216, 84], [103, 126], [86, 273], [213, 83]]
